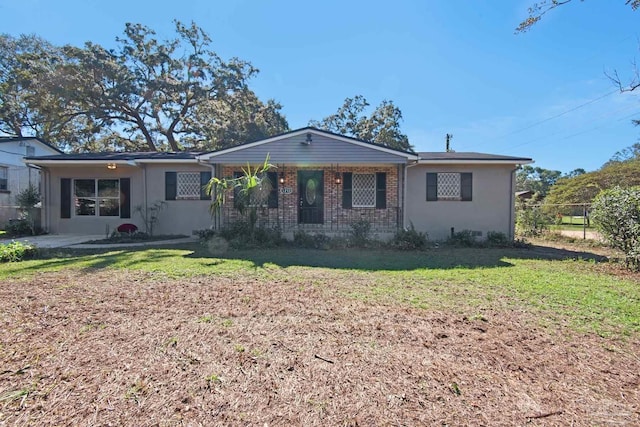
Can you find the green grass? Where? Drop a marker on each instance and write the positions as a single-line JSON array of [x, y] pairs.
[[569, 227], [552, 288]]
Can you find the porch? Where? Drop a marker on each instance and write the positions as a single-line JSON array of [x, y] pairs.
[[325, 199]]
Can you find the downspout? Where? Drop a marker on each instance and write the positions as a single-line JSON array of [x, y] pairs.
[[44, 184], [404, 191], [215, 218], [512, 206]]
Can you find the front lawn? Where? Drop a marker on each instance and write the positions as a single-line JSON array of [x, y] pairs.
[[308, 337]]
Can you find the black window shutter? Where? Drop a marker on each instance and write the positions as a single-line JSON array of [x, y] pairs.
[[466, 188], [170, 185], [205, 177], [381, 190], [347, 183], [432, 187], [273, 194], [65, 198], [125, 199], [236, 190]]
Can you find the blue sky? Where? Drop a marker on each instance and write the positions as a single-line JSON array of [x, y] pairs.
[[452, 66]]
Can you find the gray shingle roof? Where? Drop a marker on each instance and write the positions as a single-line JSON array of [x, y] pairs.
[[109, 156], [468, 156]]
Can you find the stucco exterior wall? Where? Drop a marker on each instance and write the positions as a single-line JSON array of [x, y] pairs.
[[491, 207], [178, 216]]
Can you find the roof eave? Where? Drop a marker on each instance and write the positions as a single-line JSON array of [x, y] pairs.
[[475, 161], [212, 154]]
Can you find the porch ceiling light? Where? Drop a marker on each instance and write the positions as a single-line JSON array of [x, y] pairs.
[[111, 166], [307, 141]]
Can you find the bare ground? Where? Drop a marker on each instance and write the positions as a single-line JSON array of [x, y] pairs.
[[123, 348]]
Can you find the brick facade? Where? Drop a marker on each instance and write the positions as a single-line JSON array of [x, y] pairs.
[[335, 217]]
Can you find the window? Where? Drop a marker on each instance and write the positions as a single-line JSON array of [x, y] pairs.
[[449, 186], [265, 195], [31, 151], [97, 197], [188, 186], [4, 178], [363, 190]]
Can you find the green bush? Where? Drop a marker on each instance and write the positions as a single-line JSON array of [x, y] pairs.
[[16, 251], [496, 238], [302, 239], [616, 214], [463, 238], [360, 234], [531, 219], [241, 235], [19, 227], [409, 239]]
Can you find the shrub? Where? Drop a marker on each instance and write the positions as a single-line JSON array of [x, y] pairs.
[[16, 251], [409, 239], [302, 239], [463, 238], [241, 235], [496, 238], [530, 219], [616, 213], [127, 228], [19, 227], [360, 234]]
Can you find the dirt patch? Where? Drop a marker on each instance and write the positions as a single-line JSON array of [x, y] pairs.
[[120, 348]]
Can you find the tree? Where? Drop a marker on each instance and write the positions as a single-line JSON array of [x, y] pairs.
[[536, 179], [616, 213], [627, 154], [382, 127], [582, 189], [251, 184], [539, 9], [27, 108], [145, 94]]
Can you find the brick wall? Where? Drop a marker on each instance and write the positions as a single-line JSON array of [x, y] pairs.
[[336, 218]]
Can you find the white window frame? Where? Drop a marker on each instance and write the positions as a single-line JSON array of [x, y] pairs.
[[373, 190], [96, 197], [181, 193]]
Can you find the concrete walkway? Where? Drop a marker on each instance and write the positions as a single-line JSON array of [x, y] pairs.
[[77, 241]]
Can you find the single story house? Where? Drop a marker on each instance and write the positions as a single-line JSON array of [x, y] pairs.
[[322, 182], [15, 176]]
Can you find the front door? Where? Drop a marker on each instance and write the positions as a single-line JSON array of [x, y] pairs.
[[310, 197]]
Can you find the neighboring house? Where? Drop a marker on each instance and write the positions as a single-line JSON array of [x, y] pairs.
[[323, 182], [15, 176]]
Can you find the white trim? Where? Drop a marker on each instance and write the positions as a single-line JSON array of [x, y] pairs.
[[372, 146]]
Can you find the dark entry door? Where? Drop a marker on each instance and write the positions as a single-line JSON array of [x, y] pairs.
[[310, 197]]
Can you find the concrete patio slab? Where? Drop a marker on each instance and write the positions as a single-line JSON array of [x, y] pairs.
[[78, 241]]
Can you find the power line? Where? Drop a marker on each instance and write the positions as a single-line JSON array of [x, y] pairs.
[[558, 115]]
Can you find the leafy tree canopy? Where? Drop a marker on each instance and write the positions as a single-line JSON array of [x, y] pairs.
[[381, 127], [145, 94], [583, 188], [536, 179]]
